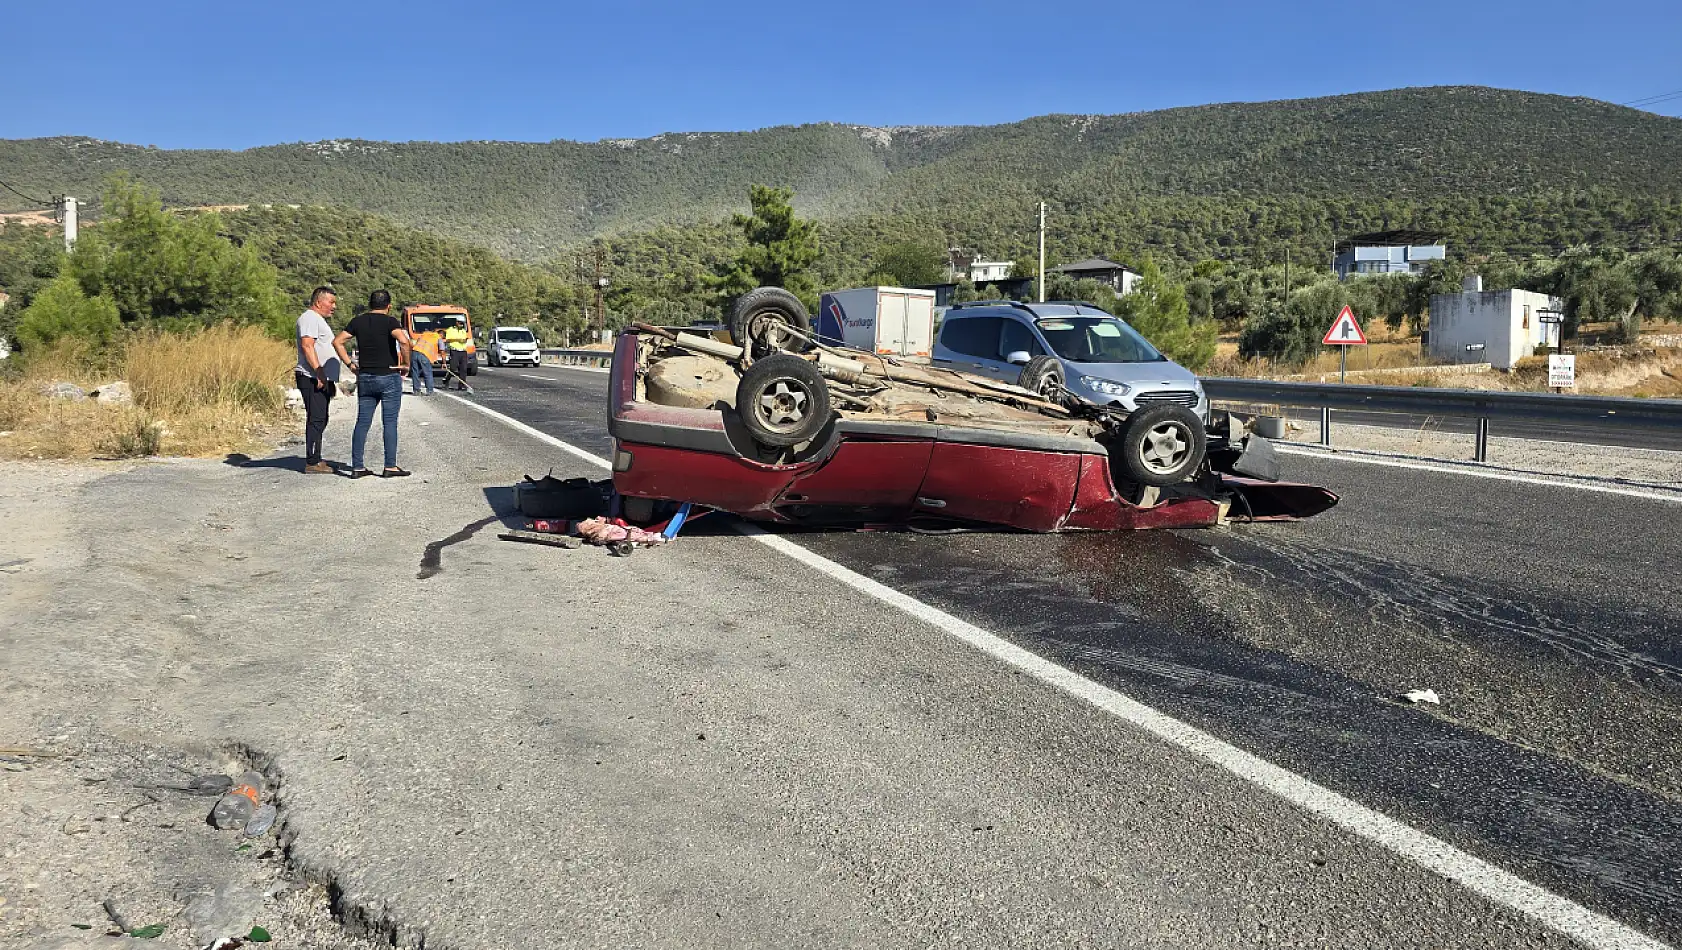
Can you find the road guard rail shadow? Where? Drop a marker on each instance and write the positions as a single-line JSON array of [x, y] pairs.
[[1633, 416]]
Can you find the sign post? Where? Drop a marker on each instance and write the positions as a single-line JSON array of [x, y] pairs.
[[1562, 371], [1345, 333]]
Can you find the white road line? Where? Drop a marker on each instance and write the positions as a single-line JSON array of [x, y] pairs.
[[1389, 462], [1433, 854], [545, 437], [547, 379]]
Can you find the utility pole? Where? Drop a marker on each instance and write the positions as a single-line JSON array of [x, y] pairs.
[[1042, 252], [1287, 273], [67, 214], [601, 284]]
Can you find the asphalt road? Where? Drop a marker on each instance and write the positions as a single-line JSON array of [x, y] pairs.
[[1547, 618]]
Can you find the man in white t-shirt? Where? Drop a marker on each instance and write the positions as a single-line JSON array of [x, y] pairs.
[[317, 374]]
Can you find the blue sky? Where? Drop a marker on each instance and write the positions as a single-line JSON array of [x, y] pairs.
[[232, 75]]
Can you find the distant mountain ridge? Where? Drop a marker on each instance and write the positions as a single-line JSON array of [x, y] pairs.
[[1418, 145]]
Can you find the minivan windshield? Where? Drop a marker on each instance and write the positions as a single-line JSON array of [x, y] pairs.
[[436, 322], [514, 336], [1097, 340]]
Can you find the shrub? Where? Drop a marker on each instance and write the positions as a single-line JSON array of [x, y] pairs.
[[62, 312]]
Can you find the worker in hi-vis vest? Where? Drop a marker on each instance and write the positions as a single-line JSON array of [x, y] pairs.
[[426, 353], [455, 340]]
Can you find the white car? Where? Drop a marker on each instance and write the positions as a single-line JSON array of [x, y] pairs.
[[512, 346]]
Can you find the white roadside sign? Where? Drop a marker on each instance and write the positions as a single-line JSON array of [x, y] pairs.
[[1562, 370]]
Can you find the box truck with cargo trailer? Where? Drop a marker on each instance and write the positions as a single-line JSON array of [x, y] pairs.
[[889, 321]]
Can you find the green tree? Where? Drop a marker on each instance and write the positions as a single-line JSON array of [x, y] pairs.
[[30, 257], [157, 266], [1292, 334], [1158, 309], [780, 251], [909, 264], [62, 312], [1027, 266]]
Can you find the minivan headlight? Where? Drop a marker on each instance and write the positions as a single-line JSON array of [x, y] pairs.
[[1108, 387]]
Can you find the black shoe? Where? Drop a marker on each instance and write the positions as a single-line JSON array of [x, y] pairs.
[[394, 473], [358, 473]]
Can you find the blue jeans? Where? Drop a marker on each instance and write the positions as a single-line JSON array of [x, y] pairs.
[[420, 368], [386, 392]]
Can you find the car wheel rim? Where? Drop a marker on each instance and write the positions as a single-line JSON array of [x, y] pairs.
[[784, 405], [1048, 386], [1165, 448]]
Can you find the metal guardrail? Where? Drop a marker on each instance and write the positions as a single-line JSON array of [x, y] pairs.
[[1628, 414], [577, 357]]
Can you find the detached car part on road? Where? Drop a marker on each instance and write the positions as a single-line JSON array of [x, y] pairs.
[[775, 426]]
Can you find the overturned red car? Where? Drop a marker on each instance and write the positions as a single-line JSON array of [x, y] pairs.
[[840, 438]]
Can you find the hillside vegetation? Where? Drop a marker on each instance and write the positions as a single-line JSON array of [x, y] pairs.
[[1488, 165]]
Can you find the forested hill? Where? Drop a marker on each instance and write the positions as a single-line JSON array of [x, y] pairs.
[[1408, 148]]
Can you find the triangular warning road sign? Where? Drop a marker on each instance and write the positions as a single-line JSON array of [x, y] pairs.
[[1345, 331]]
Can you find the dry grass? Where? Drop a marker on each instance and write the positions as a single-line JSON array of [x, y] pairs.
[[207, 393]]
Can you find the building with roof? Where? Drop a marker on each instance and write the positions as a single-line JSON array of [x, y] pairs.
[[1498, 327], [1116, 276], [1400, 251]]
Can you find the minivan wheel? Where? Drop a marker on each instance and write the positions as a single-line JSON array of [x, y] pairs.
[[1162, 445], [1042, 376], [782, 401], [757, 317]]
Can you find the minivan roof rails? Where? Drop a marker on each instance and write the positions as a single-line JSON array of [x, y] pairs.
[[992, 303]]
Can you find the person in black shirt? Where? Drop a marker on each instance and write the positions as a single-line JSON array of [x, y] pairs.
[[382, 360]]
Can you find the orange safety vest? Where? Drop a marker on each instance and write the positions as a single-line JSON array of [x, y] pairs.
[[426, 344]]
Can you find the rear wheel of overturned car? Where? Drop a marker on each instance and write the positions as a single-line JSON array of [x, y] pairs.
[[782, 401], [758, 319], [1043, 376], [1162, 445]]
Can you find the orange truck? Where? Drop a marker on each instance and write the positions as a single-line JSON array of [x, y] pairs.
[[426, 325]]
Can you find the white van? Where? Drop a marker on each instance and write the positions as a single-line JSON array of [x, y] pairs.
[[512, 346]]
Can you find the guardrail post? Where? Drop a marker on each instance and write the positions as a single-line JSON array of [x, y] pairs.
[[1481, 451], [1325, 425]]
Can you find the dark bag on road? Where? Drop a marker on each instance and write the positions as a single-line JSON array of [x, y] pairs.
[[573, 499]]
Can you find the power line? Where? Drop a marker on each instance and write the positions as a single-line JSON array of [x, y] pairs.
[[1650, 100], [8, 187]]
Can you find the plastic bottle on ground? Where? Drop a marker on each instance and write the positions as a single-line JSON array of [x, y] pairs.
[[234, 809]]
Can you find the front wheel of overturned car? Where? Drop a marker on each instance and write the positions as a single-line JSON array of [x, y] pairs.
[[1162, 445], [1042, 376], [782, 401], [757, 320]]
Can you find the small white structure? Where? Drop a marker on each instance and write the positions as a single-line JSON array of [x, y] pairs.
[[891, 321], [989, 270], [1498, 327]]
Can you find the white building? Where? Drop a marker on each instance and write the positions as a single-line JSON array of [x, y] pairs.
[[989, 270], [1495, 326]]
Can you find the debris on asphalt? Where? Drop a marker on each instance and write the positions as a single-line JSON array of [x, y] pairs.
[[1422, 696], [548, 538], [209, 785], [116, 915], [616, 532], [234, 809], [261, 821]]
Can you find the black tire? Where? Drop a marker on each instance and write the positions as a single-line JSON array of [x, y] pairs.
[[1043, 375], [754, 310], [472, 367], [1161, 445], [782, 401]]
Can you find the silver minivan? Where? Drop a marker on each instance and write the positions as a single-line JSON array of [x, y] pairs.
[[1103, 360]]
